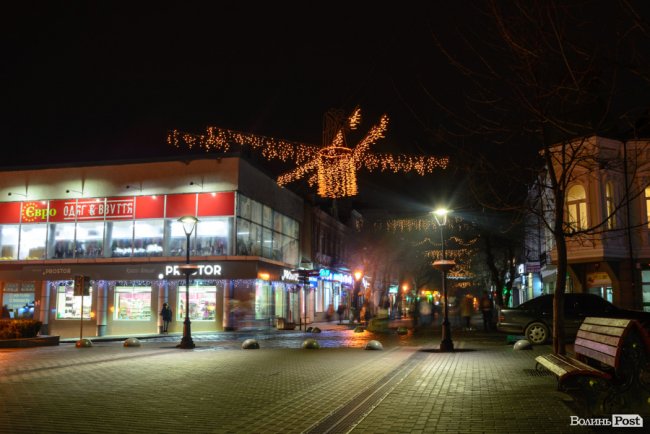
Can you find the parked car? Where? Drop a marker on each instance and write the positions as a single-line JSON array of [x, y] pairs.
[[534, 318]]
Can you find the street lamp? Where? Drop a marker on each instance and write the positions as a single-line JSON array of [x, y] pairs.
[[444, 265], [355, 297], [189, 223], [403, 310]]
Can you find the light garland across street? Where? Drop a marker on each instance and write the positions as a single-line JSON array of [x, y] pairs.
[[332, 167]]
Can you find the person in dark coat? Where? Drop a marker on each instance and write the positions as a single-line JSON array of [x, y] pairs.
[[486, 310], [340, 311], [166, 314]]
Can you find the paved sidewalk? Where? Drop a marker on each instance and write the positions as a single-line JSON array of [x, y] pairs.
[[408, 387]]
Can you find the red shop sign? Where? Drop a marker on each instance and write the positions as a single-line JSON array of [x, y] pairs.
[[10, 212], [119, 208], [60, 209], [216, 204], [179, 205], [149, 207], [34, 212]]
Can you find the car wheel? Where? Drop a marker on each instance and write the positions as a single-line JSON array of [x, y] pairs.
[[537, 333]]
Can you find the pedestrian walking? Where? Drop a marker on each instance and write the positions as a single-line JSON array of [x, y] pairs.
[[340, 311], [330, 313], [486, 310], [466, 310], [362, 314], [166, 313]]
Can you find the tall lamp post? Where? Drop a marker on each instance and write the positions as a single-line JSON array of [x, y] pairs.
[[356, 294], [189, 223], [444, 265]]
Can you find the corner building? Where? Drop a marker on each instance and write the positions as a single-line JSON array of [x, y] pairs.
[[117, 225]]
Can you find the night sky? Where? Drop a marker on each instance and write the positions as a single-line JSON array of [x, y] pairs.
[[105, 81]]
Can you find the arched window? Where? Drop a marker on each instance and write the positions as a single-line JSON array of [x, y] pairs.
[[576, 200], [609, 205]]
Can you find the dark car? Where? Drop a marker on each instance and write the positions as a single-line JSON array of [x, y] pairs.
[[534, 318]]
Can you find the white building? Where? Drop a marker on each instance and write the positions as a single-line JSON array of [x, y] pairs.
[[607, 215]]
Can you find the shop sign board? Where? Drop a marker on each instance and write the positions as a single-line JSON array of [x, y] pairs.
[[114, 208], [203, 270], [289, 276]]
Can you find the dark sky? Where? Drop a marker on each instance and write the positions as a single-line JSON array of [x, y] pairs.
[[89, 81], [107, 80]]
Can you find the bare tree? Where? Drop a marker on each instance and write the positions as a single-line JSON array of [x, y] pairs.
[[543, 77]]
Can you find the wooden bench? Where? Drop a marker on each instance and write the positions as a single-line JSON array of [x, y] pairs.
[[609, 356]]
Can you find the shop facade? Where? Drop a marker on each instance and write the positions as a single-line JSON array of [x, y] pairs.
[[126, 298], [129, 247]]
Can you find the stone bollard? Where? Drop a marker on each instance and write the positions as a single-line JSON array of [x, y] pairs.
[[523, 344], [250, 344], [83, 343], [310, 344], [132, 342], [402, 330], [315, 330], [374, 345], [359, 329]]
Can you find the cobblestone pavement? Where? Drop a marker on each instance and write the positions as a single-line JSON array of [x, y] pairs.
[[408, 387]]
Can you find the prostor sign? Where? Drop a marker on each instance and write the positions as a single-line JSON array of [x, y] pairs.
[[203, 270]]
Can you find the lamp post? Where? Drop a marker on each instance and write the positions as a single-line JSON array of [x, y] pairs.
[[444, 265], [355, 295], [405, 290], [189, 223]]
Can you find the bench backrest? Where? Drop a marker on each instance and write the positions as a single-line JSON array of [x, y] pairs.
[[602, 339]]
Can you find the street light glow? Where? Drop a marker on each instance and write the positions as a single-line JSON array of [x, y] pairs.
[[440, 215]]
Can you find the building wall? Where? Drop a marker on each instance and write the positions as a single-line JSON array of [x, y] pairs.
[[605, 260], [243, 288]]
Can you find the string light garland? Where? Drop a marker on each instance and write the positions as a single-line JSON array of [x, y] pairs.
[[332, 167], [461, 250]]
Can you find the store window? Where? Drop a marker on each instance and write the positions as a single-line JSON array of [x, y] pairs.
[[263, 299], [148, 239], [212, 237], [90, 239], [61, 241], [267, 243], [261, 231], [177, 240], [32, 241], [68, 306], [256, 240], [289, 227], [8, 241], [244, 246], [277, 221], [132, 303], [19, 299], [645, 288], [267, 216], [244, 207], [119, 235], [577, 208], [278, 243], [203, 303], [256, 212]]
